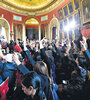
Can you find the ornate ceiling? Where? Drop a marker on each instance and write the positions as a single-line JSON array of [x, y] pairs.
[[30, 7], [29, 4]]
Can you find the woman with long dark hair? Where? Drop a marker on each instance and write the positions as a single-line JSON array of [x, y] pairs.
[[31, 85]]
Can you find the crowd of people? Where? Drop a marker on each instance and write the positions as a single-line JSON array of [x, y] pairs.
[[45, 70]]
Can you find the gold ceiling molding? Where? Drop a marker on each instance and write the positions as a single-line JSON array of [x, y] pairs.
[[28, 4], [33, 12]]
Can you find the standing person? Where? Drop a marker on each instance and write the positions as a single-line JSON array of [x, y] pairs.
[[31, 85], [41, 68], [46, 83]]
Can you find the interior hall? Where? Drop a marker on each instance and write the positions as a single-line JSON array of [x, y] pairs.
[[44, 49]]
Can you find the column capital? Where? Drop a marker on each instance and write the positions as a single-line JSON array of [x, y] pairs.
[[39, 24]]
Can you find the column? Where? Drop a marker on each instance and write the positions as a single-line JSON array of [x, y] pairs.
[[45, 31], [39, 31], [11, 33], [49, 34], [48, 31], [67, 31], [16, 37], [24, 33]]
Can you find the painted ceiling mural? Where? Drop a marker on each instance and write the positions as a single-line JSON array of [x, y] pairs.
[[30, 7], [32, 4]]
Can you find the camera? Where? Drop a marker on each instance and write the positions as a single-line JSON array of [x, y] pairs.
[[20, 56], [64, 82]]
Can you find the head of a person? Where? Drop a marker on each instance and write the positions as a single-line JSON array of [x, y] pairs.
[[41, 68], [31, 83], [37, 44], [17, 48]]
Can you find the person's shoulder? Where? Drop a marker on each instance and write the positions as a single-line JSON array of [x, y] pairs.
[[42, 95], [43, 77]]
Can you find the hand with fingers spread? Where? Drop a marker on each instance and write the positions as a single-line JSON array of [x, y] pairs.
[[83, 43]]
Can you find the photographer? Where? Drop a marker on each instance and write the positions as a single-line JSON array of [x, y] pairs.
[[9, 69]]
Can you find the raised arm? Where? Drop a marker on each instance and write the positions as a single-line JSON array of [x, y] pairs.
[[29, 57], [84, 49], [45, 57], [20, 67]]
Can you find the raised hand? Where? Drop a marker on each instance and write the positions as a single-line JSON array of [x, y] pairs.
[[16, 59], [84, 43]]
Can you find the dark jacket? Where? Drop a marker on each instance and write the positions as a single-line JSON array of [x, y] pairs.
[[73, 90], [45, 84], [9, 70], [44, 79], [29, 57], [87, 56], [46, 59]]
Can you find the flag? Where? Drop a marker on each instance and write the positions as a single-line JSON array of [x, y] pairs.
[[4, 89]]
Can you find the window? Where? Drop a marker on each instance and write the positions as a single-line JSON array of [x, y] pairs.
[[77, 19], [86, 10], [70, 19], [60, 12], [65, 11], [61, 25], [70, 7], [65, 22], [76, 2]]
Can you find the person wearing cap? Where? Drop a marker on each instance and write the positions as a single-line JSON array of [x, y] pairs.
[[17, 48]]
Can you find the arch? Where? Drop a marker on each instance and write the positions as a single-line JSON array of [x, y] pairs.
[[32, 30], [29, 17], [8, 28], [54, 23], [32, 20]]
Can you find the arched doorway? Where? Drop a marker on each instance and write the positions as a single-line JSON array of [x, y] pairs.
[[5, 29], [54, 29], [32, 29], [54, 33]]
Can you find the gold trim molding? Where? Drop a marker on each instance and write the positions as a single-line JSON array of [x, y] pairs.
[[29, 4], [31, 12]]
